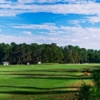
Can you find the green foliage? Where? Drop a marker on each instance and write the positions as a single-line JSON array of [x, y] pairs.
[[96, 88], [96, 77], [95, 93], [46, 53], [91, 93], [84, 92], [88, 93]]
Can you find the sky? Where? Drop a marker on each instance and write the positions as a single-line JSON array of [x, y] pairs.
[[64, 22]]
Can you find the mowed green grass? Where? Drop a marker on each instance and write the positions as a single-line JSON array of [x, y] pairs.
[[42, 82]]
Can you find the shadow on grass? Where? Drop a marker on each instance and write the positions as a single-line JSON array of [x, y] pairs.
[[38, 88], [39, 93], [52, 77], [29, 74], [51, 70]]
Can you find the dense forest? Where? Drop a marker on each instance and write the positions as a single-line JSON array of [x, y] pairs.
[[46, 53]]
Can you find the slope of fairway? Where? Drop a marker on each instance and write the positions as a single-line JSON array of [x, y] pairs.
[[33, 82]]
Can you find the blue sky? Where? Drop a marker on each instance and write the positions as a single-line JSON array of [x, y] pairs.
[[75, 22]]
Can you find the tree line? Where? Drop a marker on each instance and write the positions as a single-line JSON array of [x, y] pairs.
[[46, 53]]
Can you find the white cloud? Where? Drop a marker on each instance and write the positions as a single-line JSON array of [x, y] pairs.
[[94, 19], [55, 1], [52, 28], [49, 27], [27, 32], [87, 19], [89, 39], [2, 1], [12, 9], [75, 22], [64, 35]]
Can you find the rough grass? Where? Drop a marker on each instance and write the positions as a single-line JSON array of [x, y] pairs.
[[42, 82]]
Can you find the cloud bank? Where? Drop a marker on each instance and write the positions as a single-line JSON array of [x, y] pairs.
[[88, 37]]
